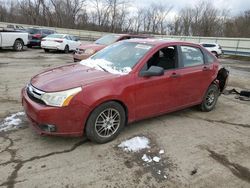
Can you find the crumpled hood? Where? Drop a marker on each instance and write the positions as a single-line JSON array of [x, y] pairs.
[[96, 47], [67, 77]]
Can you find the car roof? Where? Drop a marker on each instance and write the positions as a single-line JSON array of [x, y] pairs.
[[158, 42]]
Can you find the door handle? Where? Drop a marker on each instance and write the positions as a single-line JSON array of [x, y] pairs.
[[175, 75], [206, 68]]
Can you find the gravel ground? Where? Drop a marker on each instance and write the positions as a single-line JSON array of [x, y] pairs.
[[200, 149]]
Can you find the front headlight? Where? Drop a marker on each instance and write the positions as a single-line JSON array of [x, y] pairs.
[[89, 51], [61, 98]]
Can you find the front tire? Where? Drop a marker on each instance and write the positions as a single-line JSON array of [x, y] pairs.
[[46, 50], [18, 45], [105, 122], [210, 98], [66, 49]]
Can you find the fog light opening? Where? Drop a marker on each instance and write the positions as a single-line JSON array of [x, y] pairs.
[[48, 128]]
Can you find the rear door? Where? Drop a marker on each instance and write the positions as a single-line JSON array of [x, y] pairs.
[[194, 76]]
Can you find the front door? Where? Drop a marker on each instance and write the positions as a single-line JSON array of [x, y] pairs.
[[156, 95]]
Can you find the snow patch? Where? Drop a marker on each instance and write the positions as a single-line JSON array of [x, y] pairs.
[[161, 151], [156, 159], [101, 64], [146, 158], [12, 122], [135, 144]]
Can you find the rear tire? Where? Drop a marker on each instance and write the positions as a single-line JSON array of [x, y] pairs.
[[210, 98], [18, 45], [66, 49], [105, 122], [46, 50]]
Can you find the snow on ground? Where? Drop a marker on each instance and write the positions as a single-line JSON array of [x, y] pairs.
[[135, 144], [161, 151], [146, 158], [146, 154], [156, 159], [11, 122]]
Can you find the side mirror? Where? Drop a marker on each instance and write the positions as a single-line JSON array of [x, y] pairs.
[[152, 71]]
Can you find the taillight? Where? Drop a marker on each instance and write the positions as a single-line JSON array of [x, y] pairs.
[[37, 36], [43, 39], [59, 41]]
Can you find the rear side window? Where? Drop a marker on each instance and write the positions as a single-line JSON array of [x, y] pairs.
[[191, 56], [210, 57], [209, 45]]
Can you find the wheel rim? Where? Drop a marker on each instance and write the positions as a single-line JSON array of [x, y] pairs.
[[19, 46], [107, 122], [210, 99]]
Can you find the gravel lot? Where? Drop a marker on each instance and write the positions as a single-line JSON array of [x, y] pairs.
[[200, 149]]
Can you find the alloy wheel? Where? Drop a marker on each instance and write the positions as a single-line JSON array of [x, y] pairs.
[[107, 122]]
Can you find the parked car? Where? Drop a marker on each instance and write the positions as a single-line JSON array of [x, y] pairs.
[[125, 82], [60, 42], [15, 27], [16, 40], [214, 48], [85, 51], [36, 35]]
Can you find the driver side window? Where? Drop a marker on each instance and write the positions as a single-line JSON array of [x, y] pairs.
[[165, 58]]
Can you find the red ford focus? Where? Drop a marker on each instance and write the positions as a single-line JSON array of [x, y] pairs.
[[125, 82]]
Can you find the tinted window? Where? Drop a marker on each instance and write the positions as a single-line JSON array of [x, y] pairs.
[[165, 58], [33, 31], [67, 37], [55, 36], [208, 45], [10, 26], [191, 56]]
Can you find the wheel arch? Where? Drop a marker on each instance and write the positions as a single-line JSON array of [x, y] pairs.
[[19, 40], [106, 101]]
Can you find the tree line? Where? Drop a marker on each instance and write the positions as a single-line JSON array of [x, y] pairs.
[[202, 19]]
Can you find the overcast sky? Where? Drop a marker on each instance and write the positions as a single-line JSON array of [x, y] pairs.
[[235, 6]]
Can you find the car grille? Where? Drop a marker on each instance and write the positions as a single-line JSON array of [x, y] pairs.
[[35, 94]]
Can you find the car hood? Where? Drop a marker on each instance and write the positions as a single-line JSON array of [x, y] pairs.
[[96, 47], [67, 77]]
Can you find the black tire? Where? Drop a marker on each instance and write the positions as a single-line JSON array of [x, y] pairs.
[[96, 129], [18, 45], [66, 49], [46, 50], [210, 98]]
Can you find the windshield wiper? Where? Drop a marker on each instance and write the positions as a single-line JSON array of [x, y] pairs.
[[102, 68]]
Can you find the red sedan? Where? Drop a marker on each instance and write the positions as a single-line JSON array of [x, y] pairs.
[[85, 51], [125, 82]]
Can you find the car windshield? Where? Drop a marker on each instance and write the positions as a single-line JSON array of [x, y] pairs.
[[58, 36], [107, 40], [33, 31], [119, 58]]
